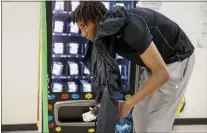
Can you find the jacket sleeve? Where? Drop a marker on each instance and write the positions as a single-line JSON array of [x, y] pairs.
[[109, 85], [108, 112], [136, 34], [87, 58], [99, 96]]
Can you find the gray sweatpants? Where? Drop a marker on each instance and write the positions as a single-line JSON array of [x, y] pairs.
[[157, 113]]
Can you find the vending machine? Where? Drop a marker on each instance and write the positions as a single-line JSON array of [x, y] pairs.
[[70, 93]]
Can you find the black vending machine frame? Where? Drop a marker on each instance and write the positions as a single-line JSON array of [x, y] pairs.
[[54, 97]]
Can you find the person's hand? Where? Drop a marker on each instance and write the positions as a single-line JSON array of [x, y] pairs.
[[125, 108], [99, 105], [95, 110]]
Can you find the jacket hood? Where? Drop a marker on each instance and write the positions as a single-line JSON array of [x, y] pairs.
[[112, 21]]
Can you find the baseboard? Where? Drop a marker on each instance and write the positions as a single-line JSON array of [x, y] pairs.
[[19, 127], [190, 121], [33, 127]]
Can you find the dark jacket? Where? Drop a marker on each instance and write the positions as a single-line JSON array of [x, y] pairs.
[[106, 81], [136, 28], [106, 78]]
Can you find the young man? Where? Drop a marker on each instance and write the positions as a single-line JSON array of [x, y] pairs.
[[152, 40]]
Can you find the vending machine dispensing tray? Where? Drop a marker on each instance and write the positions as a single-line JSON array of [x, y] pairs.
[[69, 113]]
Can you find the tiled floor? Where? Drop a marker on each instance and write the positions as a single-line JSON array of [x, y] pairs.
[[177, 129], [190, 129]]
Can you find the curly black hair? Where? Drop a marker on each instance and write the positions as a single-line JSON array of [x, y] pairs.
[[89, 11]]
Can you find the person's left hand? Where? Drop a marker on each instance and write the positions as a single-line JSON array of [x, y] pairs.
[[125, 108]]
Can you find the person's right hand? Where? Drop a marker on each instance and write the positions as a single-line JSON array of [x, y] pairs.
[[95, 110], [99, 105]]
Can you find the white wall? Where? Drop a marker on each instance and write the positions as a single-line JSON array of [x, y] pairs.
[[20, 34], [203, 26], [20, 38], [188, 16], [196, 93]]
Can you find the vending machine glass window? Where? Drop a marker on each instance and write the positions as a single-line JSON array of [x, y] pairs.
[[70, 91], [68, 48]]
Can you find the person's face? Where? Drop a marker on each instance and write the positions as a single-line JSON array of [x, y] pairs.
[[88, 30]]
